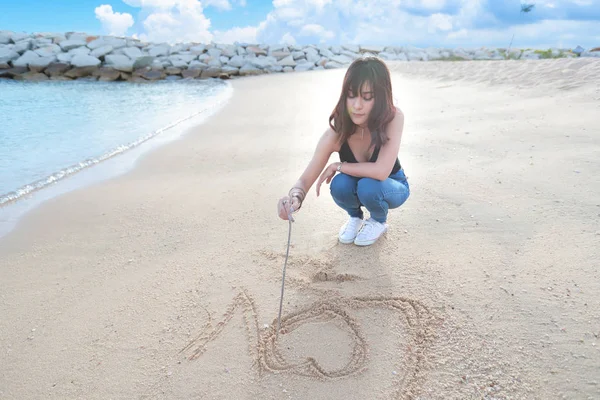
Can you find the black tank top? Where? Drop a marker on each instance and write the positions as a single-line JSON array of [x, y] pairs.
[[346, 155]]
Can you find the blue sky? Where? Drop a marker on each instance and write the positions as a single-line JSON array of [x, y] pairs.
[[436, 23]]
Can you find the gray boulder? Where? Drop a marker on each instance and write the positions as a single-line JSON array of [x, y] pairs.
[[17, 37], [256, 50], [7, 55], [312, 55], [211, 72], [101, 51], [41, 63], [65, 57], [261, 62], [388, 56], [187, 58], [143, 62], [178, 62], [199, 49], [108, 41], [249, 69], [106, 74], [31, 76], [67, 45], [132, 52], [341, 59], [352, 48], [12, 72], [333, 65], [199, 65], [228, 69], [304, 67], [25, 59], [237, 61], [56, 69], [214, 63], [82, 61], [5, 37], [173, 71], [228, 50], [80, 72], [41, 42], [287, 62], [214, 53], [80, 51], [22, 46], [158, 51], [191, 73], [77, 36], [119, 62], [48, 51]]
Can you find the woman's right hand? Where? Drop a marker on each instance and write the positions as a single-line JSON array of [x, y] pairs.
[[284, 207]]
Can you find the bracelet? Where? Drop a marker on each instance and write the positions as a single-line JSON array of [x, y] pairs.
[[296, 191], [300, 202]]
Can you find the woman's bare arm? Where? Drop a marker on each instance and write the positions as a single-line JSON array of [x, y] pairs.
[[325, 147]]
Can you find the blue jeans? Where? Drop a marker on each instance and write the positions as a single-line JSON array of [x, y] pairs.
[[351, 193]]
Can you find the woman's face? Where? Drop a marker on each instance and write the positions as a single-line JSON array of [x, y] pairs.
[[360, 104]]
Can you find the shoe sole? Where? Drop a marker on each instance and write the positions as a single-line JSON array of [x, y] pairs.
[[346, 241]]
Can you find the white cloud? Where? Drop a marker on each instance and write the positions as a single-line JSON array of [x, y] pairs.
[[450, 23], [237, 34], [174, 20], [165, 4], [426, 4], [437, 23], [113, 23], [346, 21], [288, 39], [318, 31], [440, 22], [222, 5]]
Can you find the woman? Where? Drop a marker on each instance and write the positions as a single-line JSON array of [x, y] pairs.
[[365, 128]]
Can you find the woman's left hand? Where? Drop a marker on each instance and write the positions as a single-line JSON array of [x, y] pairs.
[[327, 175]]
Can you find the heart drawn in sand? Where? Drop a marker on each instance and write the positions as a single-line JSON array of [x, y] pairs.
[[273, 360], [413, 315]]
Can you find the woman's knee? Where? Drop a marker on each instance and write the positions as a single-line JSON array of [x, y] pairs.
[[342, 185], [369, 190]]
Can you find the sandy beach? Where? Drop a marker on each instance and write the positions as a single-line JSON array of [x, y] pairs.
[[164, 283]]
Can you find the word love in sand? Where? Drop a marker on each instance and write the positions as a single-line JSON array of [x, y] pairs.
[[107, 58], [416, 318]]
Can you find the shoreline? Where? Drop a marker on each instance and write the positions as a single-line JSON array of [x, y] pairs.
[[107, 166], [36, 197], [476, 281]]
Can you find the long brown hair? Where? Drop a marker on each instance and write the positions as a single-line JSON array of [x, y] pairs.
[[374, 71]]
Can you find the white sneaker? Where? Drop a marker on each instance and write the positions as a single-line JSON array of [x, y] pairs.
[[350, 229], [370, 232]]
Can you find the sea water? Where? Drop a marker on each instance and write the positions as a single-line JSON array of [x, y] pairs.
[[52, 131]]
